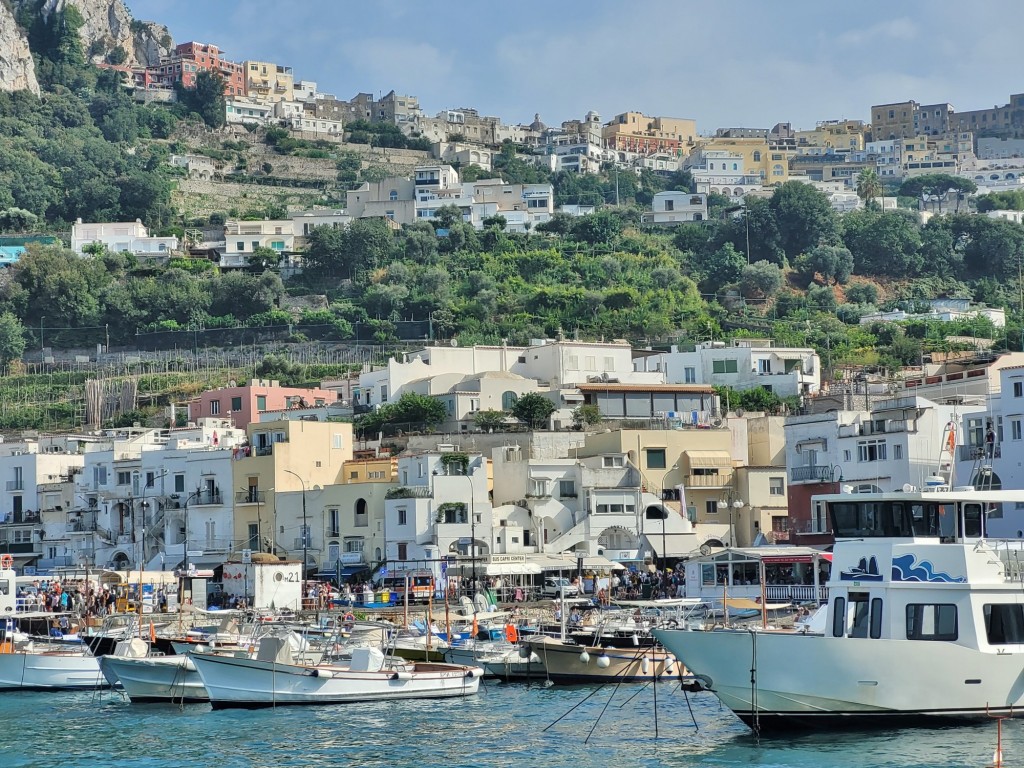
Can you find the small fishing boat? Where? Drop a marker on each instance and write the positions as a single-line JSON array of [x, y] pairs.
[[498, 659], [565, 661], [41, 666], [156, 678], [273, 679]]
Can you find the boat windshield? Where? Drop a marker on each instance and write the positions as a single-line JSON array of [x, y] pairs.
[[879, 518]]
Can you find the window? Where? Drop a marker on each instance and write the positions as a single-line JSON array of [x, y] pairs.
[[567, 489], [1004, 623], [214, 407], [670, 205], [337, 441], [236, 404], [656, 458], [876, 618], [1018, 389], [724, 366], [1015, 429], [240, 246], [403, 551], [508, 400], [776, 486], [150, 479], [179, 483], [871, 450], [711, 507], [261, 402], [839, 617], [930, 621], [277, 245], [403, 518], [897, 451], [858, 614], [689, 375], [124, 478], [255, 244], [613, 462], [846, 455], [757, 156]]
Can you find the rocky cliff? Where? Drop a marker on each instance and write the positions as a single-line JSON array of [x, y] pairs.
[[17, 70]]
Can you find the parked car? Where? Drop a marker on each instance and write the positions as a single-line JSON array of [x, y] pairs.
[[555, 586]]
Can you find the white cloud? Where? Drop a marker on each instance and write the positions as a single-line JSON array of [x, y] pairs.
[[882, 32]]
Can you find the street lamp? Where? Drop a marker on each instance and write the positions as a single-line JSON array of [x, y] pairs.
[[189, 498], [736, 506], [305, 542], [145, 506]]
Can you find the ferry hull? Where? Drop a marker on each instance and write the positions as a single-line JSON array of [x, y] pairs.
[[49, 671], [158, 678], [811, 681], [250, 683]]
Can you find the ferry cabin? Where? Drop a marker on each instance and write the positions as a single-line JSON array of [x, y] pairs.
[[917, 566]]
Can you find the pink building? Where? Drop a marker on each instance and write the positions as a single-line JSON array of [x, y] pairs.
[[243, 404]]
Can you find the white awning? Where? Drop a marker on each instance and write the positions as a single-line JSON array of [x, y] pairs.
[[567, 561], [709, 458]]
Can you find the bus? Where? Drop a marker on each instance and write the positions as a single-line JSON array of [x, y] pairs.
[[421, 585]]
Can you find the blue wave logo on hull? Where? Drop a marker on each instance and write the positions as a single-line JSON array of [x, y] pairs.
[[865, 570], [907, 568]]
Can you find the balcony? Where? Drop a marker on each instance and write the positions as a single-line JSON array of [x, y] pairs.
[[813, 474], [409, 492], [978, 452], [15, 485], [26, 516], [251, 496], [207, 498], [263, 450], [20, 547]]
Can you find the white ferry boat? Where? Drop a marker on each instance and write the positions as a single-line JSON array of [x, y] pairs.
[[924, 623]]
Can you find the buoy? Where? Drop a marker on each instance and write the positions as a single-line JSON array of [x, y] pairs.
[[670, 665], [603, 661], [584, 658], [524, 652], [636, 640], [645, 665]]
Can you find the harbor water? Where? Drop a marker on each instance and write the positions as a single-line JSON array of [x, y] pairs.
[[502, 726]]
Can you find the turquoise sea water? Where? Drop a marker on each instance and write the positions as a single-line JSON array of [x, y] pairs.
[[502, 726]]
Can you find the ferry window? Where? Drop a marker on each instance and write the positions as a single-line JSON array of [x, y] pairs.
[[947, 521], [876, 618], [1004, 623], [929, 621], [858, 614], [972, 521], [925, 519], [839, 617], [5, 587]]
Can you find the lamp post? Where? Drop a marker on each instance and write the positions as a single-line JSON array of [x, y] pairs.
[[736, 506], [145, 506], [305, 542], [191, 496]]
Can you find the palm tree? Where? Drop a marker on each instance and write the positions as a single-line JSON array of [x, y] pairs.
[[869, 186]]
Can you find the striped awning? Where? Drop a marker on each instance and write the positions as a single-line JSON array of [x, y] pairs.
[[709, 458]]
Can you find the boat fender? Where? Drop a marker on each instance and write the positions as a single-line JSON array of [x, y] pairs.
[[670, 665], [401, 675], [645, 665], [524, 652], [534, 658], [603, 662], [474, 672], [325, 673], [584, 658]]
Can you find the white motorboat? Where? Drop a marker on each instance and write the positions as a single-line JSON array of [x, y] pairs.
[[497, 658], [35, 667], [272, 679], [156, 678], [565, 661], [925, 623]]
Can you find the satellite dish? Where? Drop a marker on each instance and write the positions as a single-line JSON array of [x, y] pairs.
[[454, 342], [705, 549], [232, 383], [908, 488]]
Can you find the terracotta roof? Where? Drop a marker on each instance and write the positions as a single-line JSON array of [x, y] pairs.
[[697, 389]]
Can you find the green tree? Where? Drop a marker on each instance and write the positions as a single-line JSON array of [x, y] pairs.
[[206, 98], [804, 218], [17, 220], [489, 420], [533, 409], [264, 258], [862, 293], [760, 279], [832, 262], [586, 415], [869, 186], [883, 243], [12, 340]]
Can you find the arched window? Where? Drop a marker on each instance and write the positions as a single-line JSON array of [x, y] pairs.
[[735, 166], [508, 400], [362, 519]]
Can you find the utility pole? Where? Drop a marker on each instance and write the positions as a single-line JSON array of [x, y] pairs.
[[305, 542]]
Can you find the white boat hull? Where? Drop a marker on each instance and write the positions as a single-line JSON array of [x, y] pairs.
[[157, 678], [49, 671], [566, 662], [235, 682], [804, 680], [506, 665]]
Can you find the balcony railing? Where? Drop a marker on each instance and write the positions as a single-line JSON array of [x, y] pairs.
[[813, 473], [15, 518], [976, 452], [795, 593], [206, 498], [15, 485], [409, 492], [251, 496]]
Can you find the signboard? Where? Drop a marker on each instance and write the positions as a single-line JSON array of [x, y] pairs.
[[194, 553], [465, 541], [246, 556], [352, 558], [507, 559]]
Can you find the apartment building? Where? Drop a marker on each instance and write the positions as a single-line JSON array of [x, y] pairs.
[[117, 237], [242, 238], [184, 64], [672, 208], [639, 133], [242, 405], [268, 82]]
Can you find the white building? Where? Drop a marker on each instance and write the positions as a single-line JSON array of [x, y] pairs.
[[242, 238], [118, 237], [671, 208], [745, 364], [242, 111], [944, 310]]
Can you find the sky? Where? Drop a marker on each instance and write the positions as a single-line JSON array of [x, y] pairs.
[[725, 64]]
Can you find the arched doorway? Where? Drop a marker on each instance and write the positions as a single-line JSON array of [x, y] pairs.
[[987, 480], [618, 543], [120, 561]]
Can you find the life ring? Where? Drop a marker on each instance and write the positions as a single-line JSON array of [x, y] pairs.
[[6, 562], [511, 633], [349, 618]]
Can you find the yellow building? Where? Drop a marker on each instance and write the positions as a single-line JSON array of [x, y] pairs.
[[269, 82], [284, 456], [636, 132], [769, 162], [840, 136], [893, 121], [370, 469]]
